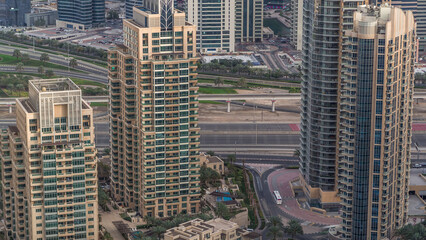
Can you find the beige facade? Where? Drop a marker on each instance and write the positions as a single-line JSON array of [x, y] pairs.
[[376, 106], [213, 162], [296, 24], [215, 229], [49, 175], [248, 20], [154, 114], [215, 21]]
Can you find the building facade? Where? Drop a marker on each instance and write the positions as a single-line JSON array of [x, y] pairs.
[[154, 113], [41, 17], [323, 24], [296, 7], [49, 175], [376, 118], [215, 21], [12, 12], [248, 20], [81, 14]]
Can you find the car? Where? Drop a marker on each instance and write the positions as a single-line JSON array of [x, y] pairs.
[[417, 165]]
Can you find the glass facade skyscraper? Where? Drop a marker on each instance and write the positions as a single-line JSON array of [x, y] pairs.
[[81, 14], [375, 122], [12, 12], [324, 21], [248, 20], [215, 21]]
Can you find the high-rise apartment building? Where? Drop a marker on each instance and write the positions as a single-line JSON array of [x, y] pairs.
[[81, 14], [248, 20], [296, 7], [12, 12], [154, 113], [49, 176], [129, 7], [376, 117], [215, 21], [323, 24]]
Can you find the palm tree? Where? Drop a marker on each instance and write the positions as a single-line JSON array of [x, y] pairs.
[[275, 221], [412, 232], [158, 231], [17, 53], [49, 73], [293, 228], [44, 57], [73, 63], [218, 81], [40, 70], [19, 67], [275, 232], [242, 83]]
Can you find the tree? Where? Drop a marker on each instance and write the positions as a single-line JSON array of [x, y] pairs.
[[20, 87], [208, 176], [10, 86], [25, 57], [412, 232], [73, 63], [231, 158], [17, 53], [49, 73], [275, 221], [222, 211], [158, 231], [40, 70], [218, 81], [19, 67], [44, 57], [242, 83], [293, 228], [275, 232]]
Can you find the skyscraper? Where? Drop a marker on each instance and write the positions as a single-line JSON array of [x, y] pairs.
[[376, 115], [154, 113], [215, 21], [248, 20], [12, 12], [129, 7], [49, 175], [297, 23], [323, 24], [81, 14]]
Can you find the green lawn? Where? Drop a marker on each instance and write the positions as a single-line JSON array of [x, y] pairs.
[[210, 102], [213, 90], [10, 60], [99, 104], [80, 82], [276, 26]]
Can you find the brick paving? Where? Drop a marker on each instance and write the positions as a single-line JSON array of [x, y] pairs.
[[280, 180]]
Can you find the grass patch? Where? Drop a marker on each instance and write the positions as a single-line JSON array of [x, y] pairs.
[[210, 102], [13, 45], [99, 104], [276, 26], [2, 93], [212, 90], [9, 60], [10, 93], [80, 82], [125, 217]]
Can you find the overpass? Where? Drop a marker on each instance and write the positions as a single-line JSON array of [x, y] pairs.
[[214, 97]]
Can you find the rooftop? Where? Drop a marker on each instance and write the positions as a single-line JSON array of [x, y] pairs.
[[214, 159], [415, 177], [54, 85]]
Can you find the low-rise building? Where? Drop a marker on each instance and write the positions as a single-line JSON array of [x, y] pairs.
[[41, 17], [215, 229], [212, 162]]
